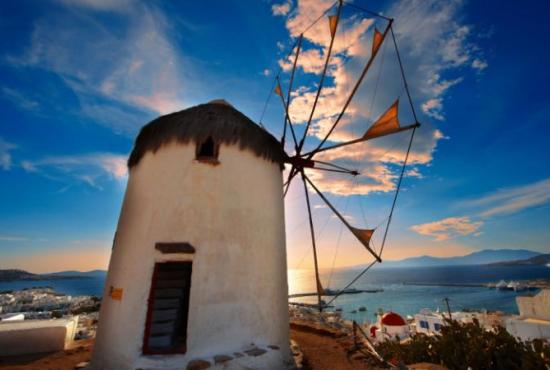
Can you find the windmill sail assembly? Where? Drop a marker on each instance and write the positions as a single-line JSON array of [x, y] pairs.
[[302, 163]]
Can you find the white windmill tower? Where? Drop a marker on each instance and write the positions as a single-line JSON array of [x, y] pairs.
[[198, 267]]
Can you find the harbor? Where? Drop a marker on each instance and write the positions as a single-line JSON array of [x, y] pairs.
[[336, 292], [518, 286]]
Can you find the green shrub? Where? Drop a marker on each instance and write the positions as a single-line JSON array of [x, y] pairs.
[[469, 345]]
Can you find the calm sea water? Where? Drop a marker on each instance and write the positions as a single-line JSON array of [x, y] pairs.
[[398, 297], [409, 299], [92, 286]]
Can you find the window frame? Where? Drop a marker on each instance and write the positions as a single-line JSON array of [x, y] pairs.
[[181, 349], [208, 159]]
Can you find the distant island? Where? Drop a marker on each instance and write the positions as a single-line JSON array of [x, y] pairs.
[[483, 257], [541, 259], [16, 274]]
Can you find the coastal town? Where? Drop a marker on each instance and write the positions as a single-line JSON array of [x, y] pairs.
[[41, 320]]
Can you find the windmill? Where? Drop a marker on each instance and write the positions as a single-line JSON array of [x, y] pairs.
[[301, 161]]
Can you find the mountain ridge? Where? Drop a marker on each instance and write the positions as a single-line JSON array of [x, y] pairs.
[[482, 257], [18, 274], [541, 259]]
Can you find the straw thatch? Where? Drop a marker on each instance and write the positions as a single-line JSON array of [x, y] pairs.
[[222, 122]]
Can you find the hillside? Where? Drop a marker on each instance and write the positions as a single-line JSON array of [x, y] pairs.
[[483, 257], [542, 259], [15, 274]]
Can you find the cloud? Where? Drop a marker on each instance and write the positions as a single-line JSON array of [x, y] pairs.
[[479, 64], [434, 45], [101, 5], [281, 9], [5, 155], [90, 169], [434, 108], [448, 228], [12, 238], [501, 202], [513, 199], [127, 68], [19, 99]]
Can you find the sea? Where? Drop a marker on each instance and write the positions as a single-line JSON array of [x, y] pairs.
[[396, 295]]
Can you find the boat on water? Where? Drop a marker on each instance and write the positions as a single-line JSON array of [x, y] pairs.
[[516, 286], [501, 285], [362, 309], [330, 292]]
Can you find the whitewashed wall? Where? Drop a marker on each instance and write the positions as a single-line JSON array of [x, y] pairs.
[[36, 336], [232, 213], [537, 307]]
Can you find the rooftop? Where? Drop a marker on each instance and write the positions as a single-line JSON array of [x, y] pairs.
[[218, 120]]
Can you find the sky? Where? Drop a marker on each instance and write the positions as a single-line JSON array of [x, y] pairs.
[[79, 78]]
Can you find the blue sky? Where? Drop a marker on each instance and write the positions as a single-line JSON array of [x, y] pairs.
[[78, 78]]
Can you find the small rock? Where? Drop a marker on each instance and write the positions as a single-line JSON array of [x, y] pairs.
[[81, 365], [198, 365], [255, 352], [220, 359], [237, 354], [272, 346]]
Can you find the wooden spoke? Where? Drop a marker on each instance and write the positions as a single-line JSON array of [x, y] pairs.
[[323, 75], [361, 140], [312, 231], [342, 218], [298, 48], [352, 94]]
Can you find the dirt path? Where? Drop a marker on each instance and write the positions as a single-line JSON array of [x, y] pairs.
[[324, 352], [64, 360]]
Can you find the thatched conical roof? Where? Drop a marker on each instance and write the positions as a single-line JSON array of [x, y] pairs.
[[216, 119]]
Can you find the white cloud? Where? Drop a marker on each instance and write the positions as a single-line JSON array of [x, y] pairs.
[[281, 9], [117, 73], [90, 169], [102, 5], [433, 44], [479, 64], [448, 228], [12, 238], [513, 199], [19, 99], [5, 155], [434, 108]]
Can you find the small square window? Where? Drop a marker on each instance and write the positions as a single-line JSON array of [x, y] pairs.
[[207, 151]]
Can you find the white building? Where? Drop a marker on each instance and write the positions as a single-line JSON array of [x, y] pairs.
[[389, 326], [12, 317], [533, 321], [430, 323], [198, 266], [36, 336]]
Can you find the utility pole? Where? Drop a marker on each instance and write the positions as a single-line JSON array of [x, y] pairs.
[[446, 299]]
